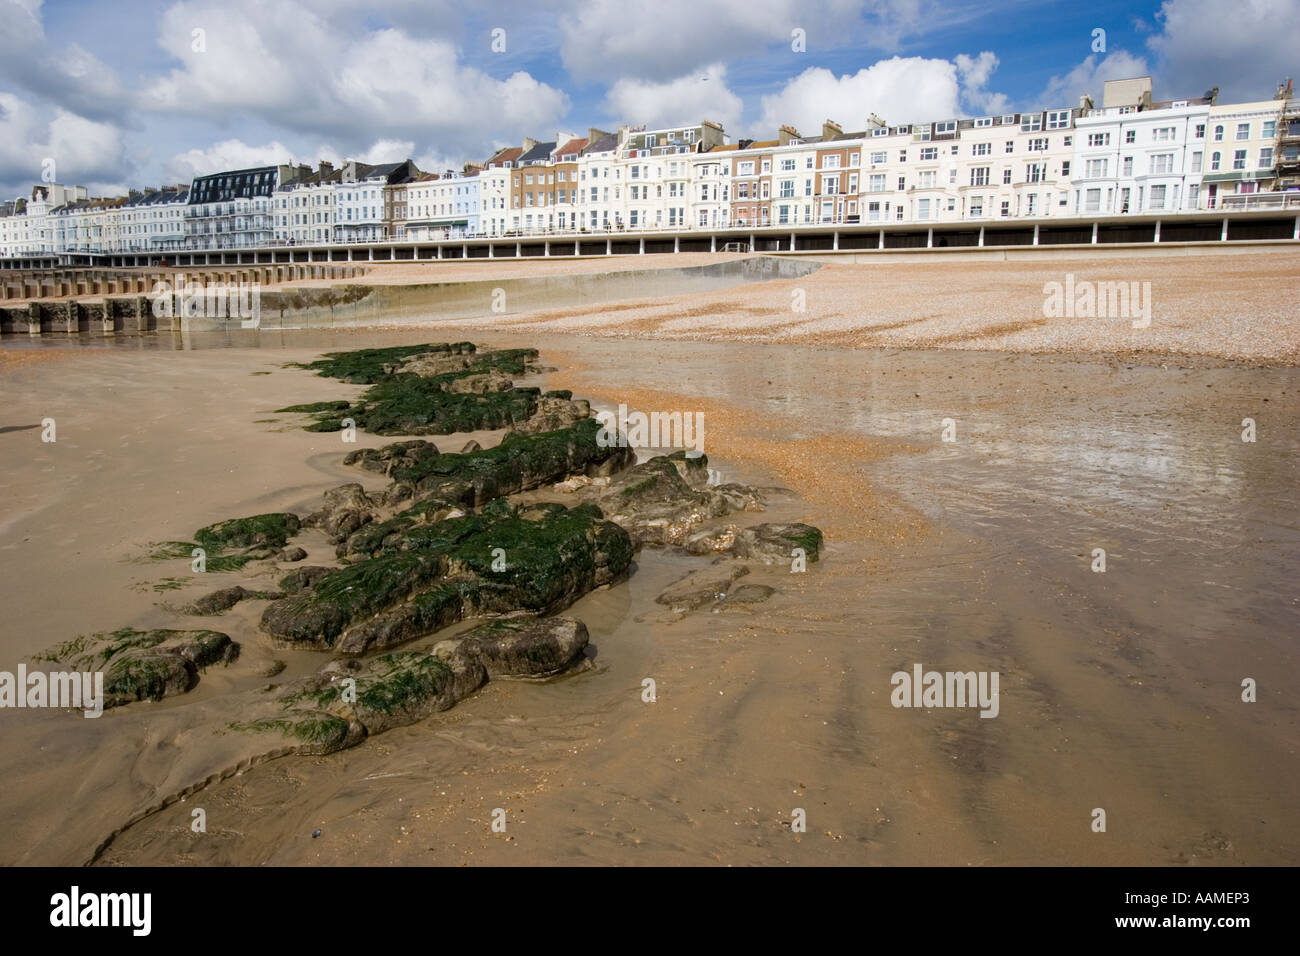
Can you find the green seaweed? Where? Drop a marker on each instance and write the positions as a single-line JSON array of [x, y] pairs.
[[404, 403]]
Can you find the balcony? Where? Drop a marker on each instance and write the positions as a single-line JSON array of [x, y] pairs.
[[1277, 200]]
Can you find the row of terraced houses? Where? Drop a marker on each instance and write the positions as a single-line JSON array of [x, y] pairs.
[[1129, 154]]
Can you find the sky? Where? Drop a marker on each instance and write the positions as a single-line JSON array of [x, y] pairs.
[[145, 92]]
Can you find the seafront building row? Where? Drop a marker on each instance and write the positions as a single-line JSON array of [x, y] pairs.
[[1128, 155]]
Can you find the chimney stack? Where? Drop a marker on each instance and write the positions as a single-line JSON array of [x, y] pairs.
[[831, 129], [785, 134]]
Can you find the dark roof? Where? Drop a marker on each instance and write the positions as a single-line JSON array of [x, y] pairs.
[[606, 144], [156, 197], [539, 153]]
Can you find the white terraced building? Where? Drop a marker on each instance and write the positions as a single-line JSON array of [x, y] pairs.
[[1131, 155], [1136, 156]]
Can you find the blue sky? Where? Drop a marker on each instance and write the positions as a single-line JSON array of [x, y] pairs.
[[124, 94]]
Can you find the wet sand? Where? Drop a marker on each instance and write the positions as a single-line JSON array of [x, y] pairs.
[[1119, 690]]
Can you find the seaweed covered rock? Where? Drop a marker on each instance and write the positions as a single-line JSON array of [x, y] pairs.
[[229, 545], [350, 700], [426, 390], [144, 665], [346, 509], [664, 500], [402, 454], [424, 576], [270, 531], [702, 587], [303, 577], [776, 543], [554, 412], [223, 599], [519, 463], [521, 646]]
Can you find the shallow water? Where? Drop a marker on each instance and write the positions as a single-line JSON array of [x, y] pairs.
[[1119, 690]]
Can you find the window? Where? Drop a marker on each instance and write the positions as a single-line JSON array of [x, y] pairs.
[[853, 159], [1006, 207], [984, 121], [1011, 146], [1065, 169], [1243, 131], [1270, 129], [1058, 119], [1097, 168], [1130, 136], [1126, 167], [927, 179], [787, 189], [1092, 200], [902, 155], [977, 206], [1199, 132], [1239, 159], [1006, 176], [1196, 163], [1214, 162], [979, 176], [876, 183], [902, 183], [1162, 134], [1158, 197], [745, 169], [1031, 124], [923, 209], [831, 162], [787, 165], [1038, 145], [1036, 172], [877, 158], [1162, 164], [929, 154], [767, 166], [1218, 134], [980, 149], [1265, 157]]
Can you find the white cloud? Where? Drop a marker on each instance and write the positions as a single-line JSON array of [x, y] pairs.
[[74, 78], [1090, 77], [289, 66], [899, 90], [1245, 48], [675, 37], [697, 96], [81, 149], [228, 154], [974, 74]]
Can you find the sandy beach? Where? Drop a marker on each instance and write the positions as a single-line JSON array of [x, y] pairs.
[[1226, 306], [1120, 690]]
